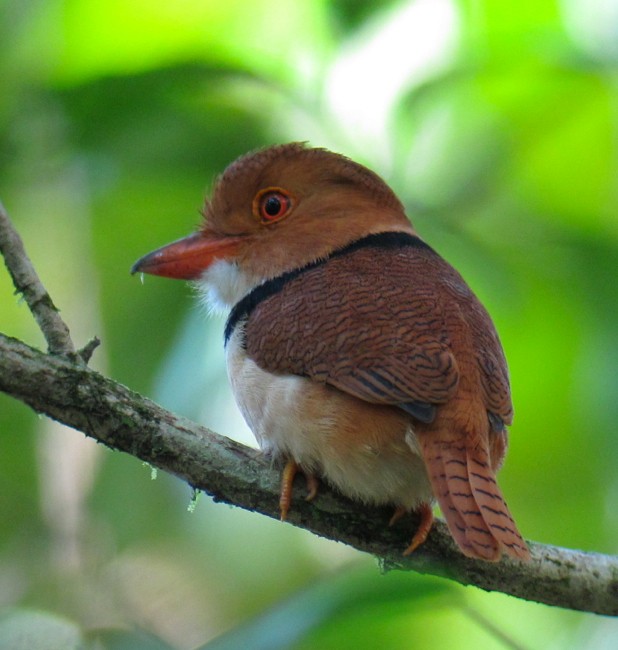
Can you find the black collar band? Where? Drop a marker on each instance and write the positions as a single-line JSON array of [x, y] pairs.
[[387, 240]]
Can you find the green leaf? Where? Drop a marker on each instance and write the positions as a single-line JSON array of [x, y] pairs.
[[147, 34]]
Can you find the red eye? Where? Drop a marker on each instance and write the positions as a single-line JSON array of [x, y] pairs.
[[272, 204]]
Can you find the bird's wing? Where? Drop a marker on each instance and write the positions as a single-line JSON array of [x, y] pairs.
[[375, 323], [495, 385]]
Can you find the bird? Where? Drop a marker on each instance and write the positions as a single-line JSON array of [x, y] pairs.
[[357, 355]]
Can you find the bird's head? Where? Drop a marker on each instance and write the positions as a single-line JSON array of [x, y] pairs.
[[273, 211]]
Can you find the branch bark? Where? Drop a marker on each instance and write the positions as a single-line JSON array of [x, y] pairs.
[[71, 393], [65, 389], [27, 283]]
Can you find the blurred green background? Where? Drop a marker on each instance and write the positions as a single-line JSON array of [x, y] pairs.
[[496, 123]]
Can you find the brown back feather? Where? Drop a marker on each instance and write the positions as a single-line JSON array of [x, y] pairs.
[[370, 323]]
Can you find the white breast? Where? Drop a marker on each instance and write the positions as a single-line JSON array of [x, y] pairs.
[[273, 406], [368, 452]]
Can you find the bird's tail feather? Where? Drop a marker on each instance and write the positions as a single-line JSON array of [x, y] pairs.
[[470, 499]]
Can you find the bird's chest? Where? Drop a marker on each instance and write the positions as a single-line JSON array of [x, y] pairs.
[[367, 451], [284, 412]]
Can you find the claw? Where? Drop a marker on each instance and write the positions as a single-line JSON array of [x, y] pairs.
[[287, 482], [400, 511], [426, 513], [313, 485]]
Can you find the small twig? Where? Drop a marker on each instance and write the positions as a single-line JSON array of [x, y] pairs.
[[86, 352], [27, 284]]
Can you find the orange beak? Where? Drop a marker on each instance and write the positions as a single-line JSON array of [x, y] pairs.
[[187, 258]]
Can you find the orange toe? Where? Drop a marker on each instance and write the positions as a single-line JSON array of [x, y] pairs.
[[426, 513], [287, 483]]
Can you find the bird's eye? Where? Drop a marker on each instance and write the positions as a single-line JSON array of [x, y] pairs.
[[272, 204]]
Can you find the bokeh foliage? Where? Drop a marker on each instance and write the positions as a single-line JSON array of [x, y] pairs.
[[495, 122]]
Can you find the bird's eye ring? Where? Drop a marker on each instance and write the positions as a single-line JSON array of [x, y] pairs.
[[272, 204]]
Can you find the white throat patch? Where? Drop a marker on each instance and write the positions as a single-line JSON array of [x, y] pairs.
[[222, 285]]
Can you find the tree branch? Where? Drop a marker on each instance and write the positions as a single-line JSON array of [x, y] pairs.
[[73, 394], [27, 283], [65, 389]]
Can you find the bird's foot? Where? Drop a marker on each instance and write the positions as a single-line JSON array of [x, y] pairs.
[[287, 482], [425, 512], [400, 511]]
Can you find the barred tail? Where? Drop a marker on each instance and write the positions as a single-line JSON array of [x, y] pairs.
[[471, 501]]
